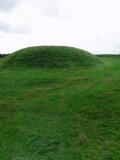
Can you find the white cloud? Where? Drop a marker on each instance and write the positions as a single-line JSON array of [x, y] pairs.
[[89, 24], [7, 28], [50, 8]]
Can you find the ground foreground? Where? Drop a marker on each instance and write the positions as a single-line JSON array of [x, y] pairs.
[[61, 114]]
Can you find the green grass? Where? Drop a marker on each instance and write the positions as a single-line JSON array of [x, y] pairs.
[[61, 114], [50, 57]]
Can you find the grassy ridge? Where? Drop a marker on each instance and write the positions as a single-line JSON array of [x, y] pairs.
[[50, 57]]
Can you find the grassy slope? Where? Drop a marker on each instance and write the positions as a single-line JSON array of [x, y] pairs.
[[50, 57], [61, 114]]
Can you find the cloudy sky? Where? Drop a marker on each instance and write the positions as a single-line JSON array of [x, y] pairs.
[[93, 25]]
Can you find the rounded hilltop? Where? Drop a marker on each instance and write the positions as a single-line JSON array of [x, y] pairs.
[[50, 57]]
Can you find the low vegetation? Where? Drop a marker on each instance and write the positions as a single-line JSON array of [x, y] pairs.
[[3, 55]]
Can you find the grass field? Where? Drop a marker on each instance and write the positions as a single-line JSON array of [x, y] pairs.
[[61, 113]]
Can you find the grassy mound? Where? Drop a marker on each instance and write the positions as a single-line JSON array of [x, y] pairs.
[[50, 57]]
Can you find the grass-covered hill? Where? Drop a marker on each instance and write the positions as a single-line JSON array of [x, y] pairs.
[[50, 57], [60, 113]]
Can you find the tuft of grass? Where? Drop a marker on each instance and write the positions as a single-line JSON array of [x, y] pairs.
[[82, 139], [50, 57]]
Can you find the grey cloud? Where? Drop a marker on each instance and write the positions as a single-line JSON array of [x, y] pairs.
[[7, 28], [6, 5], [50, 8]]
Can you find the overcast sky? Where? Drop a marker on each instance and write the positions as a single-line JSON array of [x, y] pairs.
[[93, 25]]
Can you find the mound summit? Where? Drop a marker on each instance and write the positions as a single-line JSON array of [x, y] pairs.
[[50, 57]]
